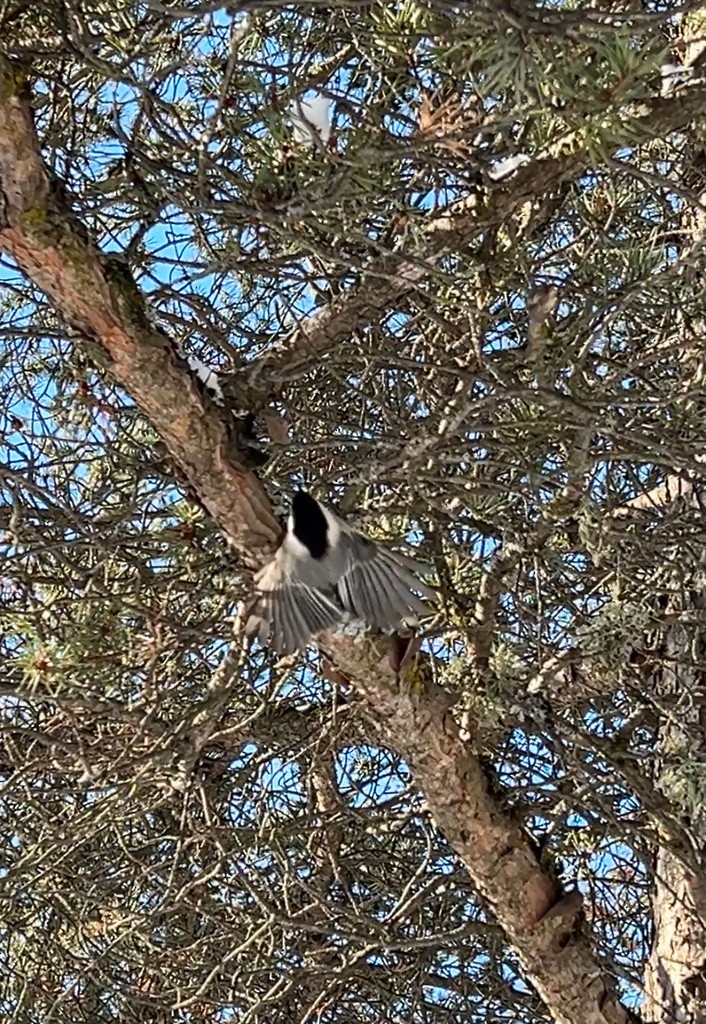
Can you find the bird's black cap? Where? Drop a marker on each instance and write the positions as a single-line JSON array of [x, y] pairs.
[[309, 524]]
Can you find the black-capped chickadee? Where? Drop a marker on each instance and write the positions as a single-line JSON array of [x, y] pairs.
[[324, 572]]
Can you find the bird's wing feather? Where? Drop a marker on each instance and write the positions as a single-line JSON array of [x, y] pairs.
[[287, 613], [379, 586]]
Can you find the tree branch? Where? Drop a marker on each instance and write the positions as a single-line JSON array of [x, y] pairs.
[[543, 925], [98, 296], [49, 244], [396, 274]]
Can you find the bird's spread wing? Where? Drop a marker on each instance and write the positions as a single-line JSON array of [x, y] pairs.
[[287, 613], [379, 587]]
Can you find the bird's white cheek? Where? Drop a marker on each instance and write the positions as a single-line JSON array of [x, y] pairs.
[[334, 529], [294, 546]]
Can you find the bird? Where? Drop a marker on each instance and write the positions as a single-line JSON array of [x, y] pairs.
[[311, 120], [325, 573]]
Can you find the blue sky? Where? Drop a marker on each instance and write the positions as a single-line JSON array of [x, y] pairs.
[[366, 775]]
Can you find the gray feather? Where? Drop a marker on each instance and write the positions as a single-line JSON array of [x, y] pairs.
[[380, 587], [288, 614], [301, 595]]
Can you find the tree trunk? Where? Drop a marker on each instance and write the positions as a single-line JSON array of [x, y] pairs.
[[675, 978]]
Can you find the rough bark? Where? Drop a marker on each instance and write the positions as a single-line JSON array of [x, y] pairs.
[[543, 925], [96, 295], [675, 980], [675, 977]]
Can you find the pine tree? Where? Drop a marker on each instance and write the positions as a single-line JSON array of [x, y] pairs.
[[443, 265]]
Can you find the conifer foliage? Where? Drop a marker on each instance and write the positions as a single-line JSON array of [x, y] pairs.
[[442, 264]]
